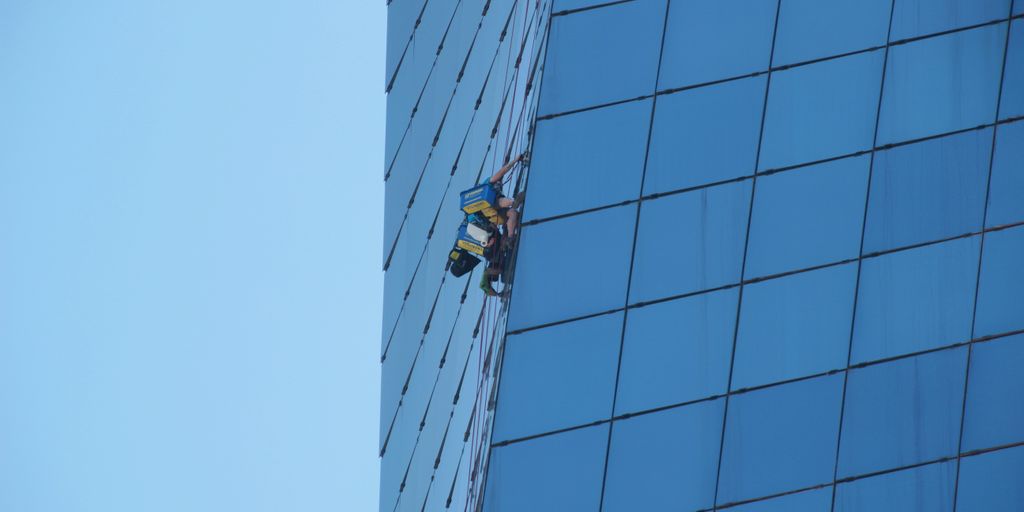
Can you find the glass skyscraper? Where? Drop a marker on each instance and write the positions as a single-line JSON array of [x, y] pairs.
[[772, 256]]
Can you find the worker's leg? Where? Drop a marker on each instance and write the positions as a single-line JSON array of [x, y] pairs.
[[504, 202], [511, 223]]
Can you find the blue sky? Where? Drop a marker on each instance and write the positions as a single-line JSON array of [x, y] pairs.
[[190, 215]]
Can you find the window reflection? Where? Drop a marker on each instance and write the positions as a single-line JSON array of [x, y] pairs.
[[677, 351], [589, 159], [1007, 188], [925, 488], [552, 473], [811, 29], [902, 412], [821, 110], [913, 18], [1000, 308], [665, 460], [942, 84], [818, 500], [991, 481], [928, 191], [565, 271], [690, 242], [808, 216], [602, 55], [558, 377], [705, 135], [915, 300], [794, 326], [780, 438], [994, 416], [710, 40]]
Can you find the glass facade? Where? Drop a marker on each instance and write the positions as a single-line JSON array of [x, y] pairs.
[[772, 256]]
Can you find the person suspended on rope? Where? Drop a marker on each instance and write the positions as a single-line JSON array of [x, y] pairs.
[[489, 229], [507, 207]]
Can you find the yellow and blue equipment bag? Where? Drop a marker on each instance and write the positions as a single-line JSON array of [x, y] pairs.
[[483, 200], [468, 242], [478, 198]]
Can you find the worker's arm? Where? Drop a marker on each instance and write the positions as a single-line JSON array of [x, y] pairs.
[[505, 169]]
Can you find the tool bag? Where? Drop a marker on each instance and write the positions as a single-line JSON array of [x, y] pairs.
[[461, 262]]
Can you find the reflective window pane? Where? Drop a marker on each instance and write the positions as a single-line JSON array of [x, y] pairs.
[[1012, 102], [794, 326], [570, 151], [811, 29], [994, 414], [915, 300], [818, 500], [677, 351], [780, 438], [928, 191], [902, 412], [705, 135], [565, 5], [913, 18], [808, 216], [690, 242], [1007, 188], [552, 473], [925, 488], [1001, 288], [665, 460], [821, 110], [556, 282], [991, 482], [942, 84], [558, 377], [588, 47], [710, 40]]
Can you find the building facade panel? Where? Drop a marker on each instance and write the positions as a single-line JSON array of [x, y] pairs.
[[770, 261]]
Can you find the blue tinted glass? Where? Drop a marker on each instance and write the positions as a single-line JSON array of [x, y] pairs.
[[818, 500], [558, 377], [1007, 188], [665, 460], [780, 438], [556, 282], [925, 488], [690, 242], [794, 326], [1012, 102], [602, 55], [811, 29], [928, 191], [912, 18], [808, 216], [915, 300], [994, 414], [552, 473], [942, 84], [821, 110], [902, 412], [401, 19], [1018, 8], [1000, 307], [570, 151], [714, 39], [705, 135], [565, 5], [991, 482], [677, 351]]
